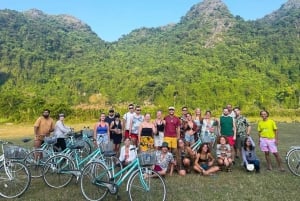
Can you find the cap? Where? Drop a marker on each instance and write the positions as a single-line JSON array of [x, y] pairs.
[[165, 144], [250, 167], [171, 108]]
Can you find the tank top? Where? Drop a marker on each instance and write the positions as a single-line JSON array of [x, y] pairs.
[[146, 132], [160, 127], [101, 129], [203, 160]]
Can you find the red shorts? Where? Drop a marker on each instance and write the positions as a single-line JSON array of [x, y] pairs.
[[126, 134], [134, 136], [231, 141]]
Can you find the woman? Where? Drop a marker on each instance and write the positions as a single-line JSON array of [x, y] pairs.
[[189, 130], [116, 128], [184, 156], [198, 121], [204, 161], [208, 129], [224, 153], [101, 132], [159, 124], [127, 154], [60, 132], [145, 135], [249, 155]]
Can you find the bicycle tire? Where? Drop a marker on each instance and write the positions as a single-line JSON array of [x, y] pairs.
[[293, 161], [35, 161], [117, 166], [156, 184], [87, 149], [88, 186], [56, 171], [18, 183]]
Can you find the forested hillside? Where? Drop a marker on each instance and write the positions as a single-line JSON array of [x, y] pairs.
[[208, 59]]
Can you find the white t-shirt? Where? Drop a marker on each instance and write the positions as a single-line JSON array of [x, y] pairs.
[[127, 117]]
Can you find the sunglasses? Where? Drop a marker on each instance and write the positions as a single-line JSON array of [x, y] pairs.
[[138, 110]]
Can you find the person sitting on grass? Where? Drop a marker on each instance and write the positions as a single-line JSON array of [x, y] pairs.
[[224, 153], [127, 154], [184, 157], [204, 162], [164, 159], [249, 155]]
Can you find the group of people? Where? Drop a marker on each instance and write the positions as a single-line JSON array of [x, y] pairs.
[[223, 139]]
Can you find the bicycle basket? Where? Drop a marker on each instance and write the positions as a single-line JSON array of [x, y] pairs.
[[77, 144], [14, 152], [147, 158], [50, 140]]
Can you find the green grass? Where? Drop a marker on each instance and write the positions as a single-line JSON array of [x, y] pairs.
[[237, 185]]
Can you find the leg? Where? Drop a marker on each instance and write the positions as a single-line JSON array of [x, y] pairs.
[[278, 160], [268, 159]]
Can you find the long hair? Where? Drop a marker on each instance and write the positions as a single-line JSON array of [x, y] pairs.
[[245, 144], [201, 147]]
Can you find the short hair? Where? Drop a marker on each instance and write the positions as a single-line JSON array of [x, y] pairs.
[[264, 111], [46, 110]]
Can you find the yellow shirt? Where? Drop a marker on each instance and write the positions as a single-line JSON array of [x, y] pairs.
[[267, 129]]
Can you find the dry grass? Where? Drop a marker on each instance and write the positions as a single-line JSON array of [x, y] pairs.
[[234, 186]]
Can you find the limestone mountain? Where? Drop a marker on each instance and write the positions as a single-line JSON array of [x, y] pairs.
[[208, 59]]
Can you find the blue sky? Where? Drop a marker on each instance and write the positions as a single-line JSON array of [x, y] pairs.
[[111, 19]]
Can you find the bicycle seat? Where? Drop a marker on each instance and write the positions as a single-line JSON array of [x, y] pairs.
[[75, 146], [26, 140]]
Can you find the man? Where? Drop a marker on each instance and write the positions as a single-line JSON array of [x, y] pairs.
[[43, 126], [227, 128], [135, 123], [268, 139], [183, 119], [172, 129], [110, 118], [126, 120], [243, 129]]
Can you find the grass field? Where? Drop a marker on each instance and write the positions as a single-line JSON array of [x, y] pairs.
[[237, 185]]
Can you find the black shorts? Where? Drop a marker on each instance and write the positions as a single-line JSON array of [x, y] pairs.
[[117, 138]]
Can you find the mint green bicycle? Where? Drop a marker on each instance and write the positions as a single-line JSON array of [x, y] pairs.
[[59, 170], [143, 183]]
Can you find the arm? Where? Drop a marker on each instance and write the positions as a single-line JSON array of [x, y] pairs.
[[234, 129], [140, 132], [252, 142], [211, 160], [108, 131], [244, 156]]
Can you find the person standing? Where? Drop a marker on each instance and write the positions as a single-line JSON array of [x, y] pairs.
[[146, 130], [101, 132], [243, 129], [159, 123], [172, 129], [60, 132], [127, 118], [228, 129], [43, 126], [208, 129], [117, 129], [268, 139], [135, 123]]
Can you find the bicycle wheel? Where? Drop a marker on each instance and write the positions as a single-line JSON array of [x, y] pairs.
[[90, 183], [116, 165], [14, 179], [35, 162], [293, 161], [87, 149], [146, 185], [57, 171]]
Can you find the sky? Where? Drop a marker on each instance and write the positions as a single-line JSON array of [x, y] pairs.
[[110, 19]]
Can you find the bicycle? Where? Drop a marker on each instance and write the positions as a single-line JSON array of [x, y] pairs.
[[59, 170], [143, 183], [14, 175], [36, 158], [293, 160]]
